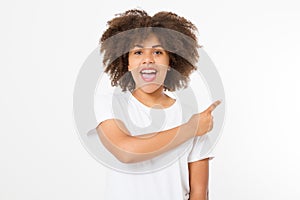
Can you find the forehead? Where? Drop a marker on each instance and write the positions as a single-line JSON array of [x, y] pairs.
[[151, 41]]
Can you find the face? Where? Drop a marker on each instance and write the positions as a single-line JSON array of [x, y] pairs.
[[148, 63]]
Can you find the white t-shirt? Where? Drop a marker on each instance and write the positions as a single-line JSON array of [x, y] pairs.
[[165, 177]]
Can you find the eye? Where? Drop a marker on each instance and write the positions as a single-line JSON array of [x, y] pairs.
[[137, 52], [158, 52]]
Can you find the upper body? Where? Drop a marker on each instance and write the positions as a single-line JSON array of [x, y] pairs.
[[169, 176], [146, 62]]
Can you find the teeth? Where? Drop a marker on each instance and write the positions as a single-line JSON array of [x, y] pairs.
[[148, 71]]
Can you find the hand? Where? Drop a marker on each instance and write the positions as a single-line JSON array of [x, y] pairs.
[[203, 122]]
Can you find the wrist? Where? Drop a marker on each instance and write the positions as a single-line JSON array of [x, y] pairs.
[[198, 195], [188, 129]]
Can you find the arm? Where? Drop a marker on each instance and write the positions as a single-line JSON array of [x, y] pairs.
[[198, 178], [129, 149]]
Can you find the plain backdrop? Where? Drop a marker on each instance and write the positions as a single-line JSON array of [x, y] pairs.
[[254, 44]]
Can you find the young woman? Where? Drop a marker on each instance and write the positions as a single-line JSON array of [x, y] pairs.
[[146, 56]]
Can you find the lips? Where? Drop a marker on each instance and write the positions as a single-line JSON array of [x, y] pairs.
[[148, 74]]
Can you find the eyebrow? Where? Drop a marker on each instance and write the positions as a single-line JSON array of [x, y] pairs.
[[154, 46]]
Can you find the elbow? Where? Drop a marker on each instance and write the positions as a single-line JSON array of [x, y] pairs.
[[125, 159], [126, 155], [121, 154], [121, 150]]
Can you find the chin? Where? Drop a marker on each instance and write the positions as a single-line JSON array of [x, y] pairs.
[[150, 88]]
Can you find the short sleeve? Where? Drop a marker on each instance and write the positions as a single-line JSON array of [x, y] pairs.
[[103, 107], [202, 149]]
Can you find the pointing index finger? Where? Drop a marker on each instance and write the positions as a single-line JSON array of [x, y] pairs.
[[213, 106]]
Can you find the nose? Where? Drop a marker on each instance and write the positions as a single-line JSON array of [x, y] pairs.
[[148, 58]]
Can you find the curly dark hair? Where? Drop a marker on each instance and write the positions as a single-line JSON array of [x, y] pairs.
[[176, 34]]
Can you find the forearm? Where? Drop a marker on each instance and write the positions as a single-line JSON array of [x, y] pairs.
[[199, 195], [130, 149], [198, 178]]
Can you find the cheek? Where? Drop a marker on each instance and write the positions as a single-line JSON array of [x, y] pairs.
[[132, 67], [131, 64], [167, 60]]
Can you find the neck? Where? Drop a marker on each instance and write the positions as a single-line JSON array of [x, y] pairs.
[[150, 99]]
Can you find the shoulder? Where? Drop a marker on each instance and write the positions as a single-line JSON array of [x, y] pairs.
[[108, 104]]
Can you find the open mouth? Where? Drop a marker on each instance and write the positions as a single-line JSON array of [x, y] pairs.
[[148, 74]]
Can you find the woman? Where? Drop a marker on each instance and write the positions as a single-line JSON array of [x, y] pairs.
[[146, 56]]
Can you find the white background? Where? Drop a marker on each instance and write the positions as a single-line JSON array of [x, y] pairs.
[[255, 46]]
